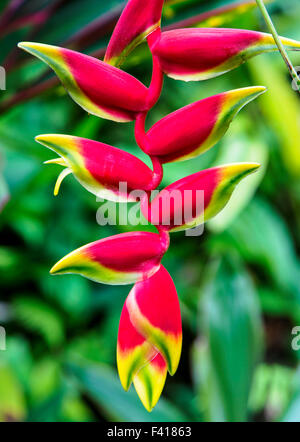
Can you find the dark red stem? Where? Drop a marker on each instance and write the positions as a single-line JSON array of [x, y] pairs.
[[139, 131], [155, 89], [164, 238], [141, 139], [158, 173], [157, 79]]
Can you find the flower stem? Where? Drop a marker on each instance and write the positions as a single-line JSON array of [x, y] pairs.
[[157, 173], [281, 48], [139, 131]]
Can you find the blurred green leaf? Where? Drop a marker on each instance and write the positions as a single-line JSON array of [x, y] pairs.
[[292, 413], [234, 150], [262, 237], [271, 390], [232, 327], [39, 317], [47, 371], [12, 400], [4, 193]]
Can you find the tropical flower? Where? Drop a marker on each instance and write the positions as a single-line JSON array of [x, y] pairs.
[[150, 336], [205, 122], [193, 54], [137, 21], [180, 207], [119, 259], [150, 333], [98, 167], [97, 87]]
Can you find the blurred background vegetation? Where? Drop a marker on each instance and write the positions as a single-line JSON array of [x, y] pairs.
[[238, 283]]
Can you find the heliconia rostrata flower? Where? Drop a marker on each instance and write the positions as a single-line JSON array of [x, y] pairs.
[[119, 259], [150, 333], [201, 53], [100, 168], [168, 140], [177, 207], [97, 87], [137, 21], [151, 320]]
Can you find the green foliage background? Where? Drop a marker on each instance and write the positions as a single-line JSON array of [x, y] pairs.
[[238, 283]]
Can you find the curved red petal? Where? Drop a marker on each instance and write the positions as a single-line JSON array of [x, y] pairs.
[[119, 259], [138, 19], [202, 53], [133, 351], [99, 88], [155, 312], [195, 128], [100, 168], [196, 198]]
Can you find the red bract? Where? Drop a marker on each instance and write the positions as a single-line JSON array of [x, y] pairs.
[[197, 127], [100, 168], [138, 19], [196, 198], [99, 88], [120, 259], [150, 335], [201, 53]]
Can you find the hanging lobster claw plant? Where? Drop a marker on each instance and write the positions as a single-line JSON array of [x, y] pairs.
[[150, 332]]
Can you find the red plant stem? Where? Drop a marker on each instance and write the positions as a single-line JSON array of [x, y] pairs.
[[141, 139], [155, 89], [156, 84], [139, 131], [157, 79], [163, 233], [164, 238], [158, 173]]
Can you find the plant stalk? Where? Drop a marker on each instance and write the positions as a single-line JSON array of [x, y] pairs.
[[281, 48]]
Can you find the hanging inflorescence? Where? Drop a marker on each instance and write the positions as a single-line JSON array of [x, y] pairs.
[[150, 335]]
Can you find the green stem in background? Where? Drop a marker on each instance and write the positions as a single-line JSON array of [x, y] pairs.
[[284, 54]]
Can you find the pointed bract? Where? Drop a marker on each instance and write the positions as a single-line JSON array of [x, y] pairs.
[[138, 19], [99, 88], [100, 168], [133, 351], [120, 259], [155, 312], [150, 336], [150, 381], [196, 198], [195, 128], [192, 54]]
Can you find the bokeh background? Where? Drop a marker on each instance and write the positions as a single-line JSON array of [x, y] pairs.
[[238, 283]]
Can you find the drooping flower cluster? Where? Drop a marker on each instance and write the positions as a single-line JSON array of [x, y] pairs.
[[150, 334]]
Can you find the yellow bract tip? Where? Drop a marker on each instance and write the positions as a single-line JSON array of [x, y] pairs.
[[38, 48], [60, 179], [58, 161], [239, 169]]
